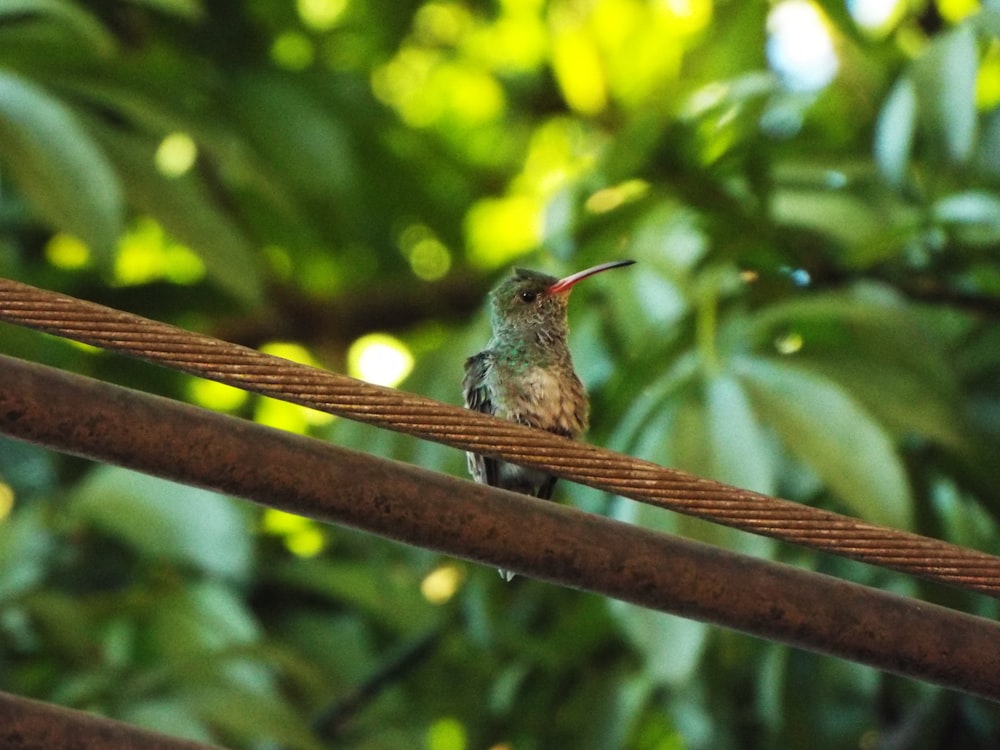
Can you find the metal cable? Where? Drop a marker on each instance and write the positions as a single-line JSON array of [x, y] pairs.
[[183, 443], [425, 418]]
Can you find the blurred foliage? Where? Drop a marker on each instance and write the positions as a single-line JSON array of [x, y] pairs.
[[812, 191]]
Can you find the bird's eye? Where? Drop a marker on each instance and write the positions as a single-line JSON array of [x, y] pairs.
[[528, 297]]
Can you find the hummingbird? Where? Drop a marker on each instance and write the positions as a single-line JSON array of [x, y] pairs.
[[525, 374]]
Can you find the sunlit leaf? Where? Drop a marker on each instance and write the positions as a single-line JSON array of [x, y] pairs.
[[945, 81], [740, 453], [971, 207], [844, 217], [671, 646], [171, 717], [894, 130], [56, 164], [707, 438], [823, 426]]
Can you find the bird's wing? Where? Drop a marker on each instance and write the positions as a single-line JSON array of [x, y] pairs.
[[475, 386], [544, 491]]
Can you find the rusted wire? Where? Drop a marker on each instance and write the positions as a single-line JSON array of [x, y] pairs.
[[422, 417], [557, 543]]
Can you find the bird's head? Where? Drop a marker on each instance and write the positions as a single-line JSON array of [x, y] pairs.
[[530, 300]]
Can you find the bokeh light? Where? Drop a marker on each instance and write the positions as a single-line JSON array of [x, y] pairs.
[[303, 537], [577, 64], [789, 343], [67, 252], [988, 79], [800, 47], [498, 230], [6, 500], [321, 15], [293, 50], [215, 396], [446, 734], [429, 258], [877, 17], [176, 154], [380, 359], [441, 584], [146, 254], [954, 11], [281, 414], [610, 198]]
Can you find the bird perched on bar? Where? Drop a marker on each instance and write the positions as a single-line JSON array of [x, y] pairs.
[[526, 375]]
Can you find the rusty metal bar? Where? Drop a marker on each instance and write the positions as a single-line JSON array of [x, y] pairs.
[[502, 529], [27, 724], [630, 477]]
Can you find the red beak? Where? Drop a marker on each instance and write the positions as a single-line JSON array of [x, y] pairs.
[[564, 285]]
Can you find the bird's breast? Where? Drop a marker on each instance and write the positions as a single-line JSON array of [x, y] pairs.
[[547, 399]]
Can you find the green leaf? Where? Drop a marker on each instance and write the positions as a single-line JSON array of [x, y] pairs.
[[57, 166], [987, 160], [973, 214], [840, 215], [945, 81], [189, 9], [205, 633], [868, 320], [85, 26], [166, 520], [914, 388], [170, 716], [740, 452], [189, 213], [830, 431], [903, 400], [701, 443], [671, 646], [894, 130], [201, 618], [303, 141], [394, 601], [651, 404], [969, 207], [25, 550], [254, 718]]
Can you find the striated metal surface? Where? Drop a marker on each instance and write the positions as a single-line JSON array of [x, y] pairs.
[[32, 725], [499, 528], [623, 475]]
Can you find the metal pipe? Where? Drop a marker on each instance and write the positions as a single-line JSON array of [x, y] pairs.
[[26, 723], [563, 545]]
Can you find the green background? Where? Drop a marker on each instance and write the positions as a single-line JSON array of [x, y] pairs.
[[813, 314]]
